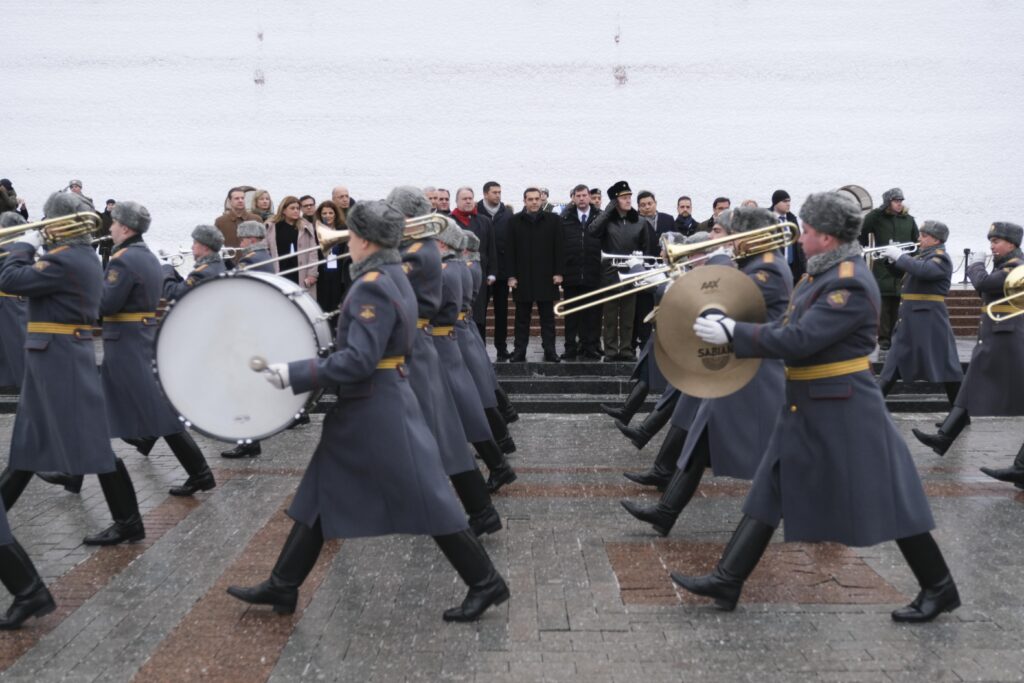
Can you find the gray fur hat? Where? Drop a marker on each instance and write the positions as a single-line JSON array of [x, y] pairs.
[[65, 203], [377, 221], [9, 219], [451, 235], [936, 229], [750, 218], [889, 195], [833, 214], [672, 237], [409, 200], [472, 241], [252, 229], [1011, 232], [724, 219], [209, 236], [702, 236], [131, 215]]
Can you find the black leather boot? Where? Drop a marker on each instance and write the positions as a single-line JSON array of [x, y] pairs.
[[652, 424], [508, 411], [950, 429], [187, 451], [952, 389], [72, 483], [470, 560], [296, 561], [124, 508], [500, 472], [938, 592], [143, 445], [886, 387], [680, 490], [12, 484], [739, 558], [19, 576], [471, 489], [664, 464], [243, 450], [633, 403], [1013, 474], [499, 430]]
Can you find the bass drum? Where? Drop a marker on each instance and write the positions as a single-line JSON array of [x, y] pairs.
[[208, 337]]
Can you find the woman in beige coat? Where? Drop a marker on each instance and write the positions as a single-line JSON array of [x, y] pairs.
[[288, 231]]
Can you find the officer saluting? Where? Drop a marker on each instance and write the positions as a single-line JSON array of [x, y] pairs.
[[137, 410], [206, 244], [376, 470], [994, 377], [829, 479], [61, 424], [923, 346], [252, 238]]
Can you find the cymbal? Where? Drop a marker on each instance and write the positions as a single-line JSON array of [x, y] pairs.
[[691, 365]]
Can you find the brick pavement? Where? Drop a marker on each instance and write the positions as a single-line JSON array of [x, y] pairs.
[[575, 562]]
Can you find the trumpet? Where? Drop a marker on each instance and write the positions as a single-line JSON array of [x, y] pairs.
[[55, 229], [682, 256], [1013, 290], [637, 258], [871, 251]]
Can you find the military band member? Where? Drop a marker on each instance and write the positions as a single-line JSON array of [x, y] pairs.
[[474, 353], [61, 423], [729, 434], [460, 382], [376, 470], [13, 318], [827, 476], [991, 386], [252, 238], [206, 245], [20, 578], [421, 262], [137, 410], [923, 346]]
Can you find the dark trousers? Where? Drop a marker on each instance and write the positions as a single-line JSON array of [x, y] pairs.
[[887, 316], [618, 325], [583, 329], [499, 293], [546, 310], [642, 330]]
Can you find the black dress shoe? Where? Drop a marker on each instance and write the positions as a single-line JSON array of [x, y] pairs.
[[486, 521], [616, 411], [507, 444], [500, 476], [591, 355], [503, 355], [1012, 475], [243, 450], [203, 481], [130, 531], [930, 603], [551, 357], [938, 442], [36, 604], [478, 600], [72, 483], [517, 357], [661, 522], [282, 598], [649, 478], [570, 355]]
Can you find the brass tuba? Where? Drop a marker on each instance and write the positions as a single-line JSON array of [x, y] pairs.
[[56, 229]]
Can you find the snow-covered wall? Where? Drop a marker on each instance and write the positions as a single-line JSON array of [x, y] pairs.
[[170, 103]]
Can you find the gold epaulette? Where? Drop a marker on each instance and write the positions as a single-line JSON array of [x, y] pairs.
[[416, 246], [58, 249], [846, 269], [769, 257], [372, 276]]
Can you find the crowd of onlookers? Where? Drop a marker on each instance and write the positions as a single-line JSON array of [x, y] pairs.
[[536, 256]]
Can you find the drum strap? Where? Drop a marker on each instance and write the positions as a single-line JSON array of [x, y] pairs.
[[390, 362], [442, 330], [925, 297], [130, 317], [77, 329], [826, 370]]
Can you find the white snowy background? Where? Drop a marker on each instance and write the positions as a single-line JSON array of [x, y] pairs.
[[170, 103]]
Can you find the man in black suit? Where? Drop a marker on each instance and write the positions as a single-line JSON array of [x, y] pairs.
[[657, 224], [794, 254]]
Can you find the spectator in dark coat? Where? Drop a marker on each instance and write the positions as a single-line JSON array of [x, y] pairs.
[[491, 207], [9, 200], [621, 231], [535, 264], [468, 216], [582, 274], [684, 217], [658, 224], [795, 253], [718, 206]]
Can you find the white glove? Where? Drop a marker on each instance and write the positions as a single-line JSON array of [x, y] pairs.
[[277, 374], [976, 257], [491, 279], [714, 328], [33, 238], [891, 252], [724, 251]]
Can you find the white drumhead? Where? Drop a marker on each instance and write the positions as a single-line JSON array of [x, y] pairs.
[[208, 337]]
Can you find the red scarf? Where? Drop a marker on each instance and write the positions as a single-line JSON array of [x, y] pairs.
[[464, 217]]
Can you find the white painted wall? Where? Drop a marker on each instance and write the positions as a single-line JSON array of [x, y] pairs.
[[157, 101]]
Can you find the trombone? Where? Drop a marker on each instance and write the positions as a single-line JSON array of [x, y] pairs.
[[55, 229], [1013, 290], [681, 256]]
